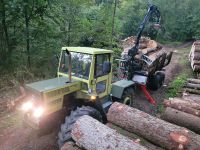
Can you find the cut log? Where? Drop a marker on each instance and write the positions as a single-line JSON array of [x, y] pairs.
[[193, 86], [134, 137], [195, 81], [70, 146], [195, 56], [194, 97], [193, 91], [181, 118], [93, 135], [188, 103], [196, 68], [157, 131], [181, 107]]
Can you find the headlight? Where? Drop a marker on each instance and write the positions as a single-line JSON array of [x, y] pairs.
[[37, 113], [27, 106], [93, 97]]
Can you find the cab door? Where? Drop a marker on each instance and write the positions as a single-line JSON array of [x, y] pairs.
[[102, 74]]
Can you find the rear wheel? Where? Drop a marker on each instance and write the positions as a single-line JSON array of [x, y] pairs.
[[128, 96], [65, 130], [156, 81]]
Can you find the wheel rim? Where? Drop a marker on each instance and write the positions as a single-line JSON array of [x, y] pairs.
[[127, 101]]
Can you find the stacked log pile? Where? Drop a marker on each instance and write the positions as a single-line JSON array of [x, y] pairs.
[[155, 52], [194, 56], [192, 86]]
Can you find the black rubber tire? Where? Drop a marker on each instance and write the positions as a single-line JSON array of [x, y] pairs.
[[128, 96], [162, 78], [156, 81], [65, 130]]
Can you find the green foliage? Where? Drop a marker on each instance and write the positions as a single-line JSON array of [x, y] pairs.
[[39, 28], [176, 86]]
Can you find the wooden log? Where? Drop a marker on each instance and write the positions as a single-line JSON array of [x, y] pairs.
[[187, 103], [194, 97], [93, 135], [196, 68], [193, 91], [70, 146], [157, 131], [134, 137], [195, 56], [182, 119], [192, 86], [195, 81], [181, 107]]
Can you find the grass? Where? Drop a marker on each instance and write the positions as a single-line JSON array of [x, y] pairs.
[[176, 86]]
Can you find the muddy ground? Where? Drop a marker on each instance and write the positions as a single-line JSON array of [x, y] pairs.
[[14, 136]]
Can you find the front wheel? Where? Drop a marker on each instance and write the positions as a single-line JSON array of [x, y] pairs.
[[128, 96], [65, 130]]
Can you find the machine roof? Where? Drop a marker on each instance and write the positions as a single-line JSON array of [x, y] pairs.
[[87, 50]]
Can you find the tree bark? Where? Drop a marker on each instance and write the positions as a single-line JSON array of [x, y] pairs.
[[193, 97], [193, 91], [93, 135], [187, 103], [157, 131], [193, 86], [135, 137], [27, 19], [195, 81], [182, 119], [181, 107], [70, 146], [113, 21]]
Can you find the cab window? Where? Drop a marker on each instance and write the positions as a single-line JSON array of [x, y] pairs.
[[100, 61]]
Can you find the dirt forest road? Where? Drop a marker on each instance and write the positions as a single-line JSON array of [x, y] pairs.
[[13, 136]]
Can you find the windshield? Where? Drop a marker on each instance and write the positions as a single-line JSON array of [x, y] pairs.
[[80, 64]]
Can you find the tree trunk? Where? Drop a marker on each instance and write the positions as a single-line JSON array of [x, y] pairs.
[[70, 146], [135, 137], [193, 91], [113, 21], [181, 107], [193, 97], [187, 103], [157, 131], [195, 81], [193, 86], [26, 17], [182, 119], [196, 68], [93, 135]]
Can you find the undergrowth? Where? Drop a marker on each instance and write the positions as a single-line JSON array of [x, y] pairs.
[[176, 86]]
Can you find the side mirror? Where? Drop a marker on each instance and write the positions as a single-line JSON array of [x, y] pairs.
[[106, 67]]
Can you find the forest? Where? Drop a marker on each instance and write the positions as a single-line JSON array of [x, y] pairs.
[[32, 32]]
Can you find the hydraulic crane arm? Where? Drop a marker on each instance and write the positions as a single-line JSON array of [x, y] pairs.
[[152, 10]]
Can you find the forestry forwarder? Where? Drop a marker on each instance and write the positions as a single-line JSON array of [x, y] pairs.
[[83, 87]]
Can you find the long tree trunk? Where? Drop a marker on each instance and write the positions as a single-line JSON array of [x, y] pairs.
[[187, 103], [195, 81], [182, 107], [27, 20], [5, 31], [93, 135], [113, 20], [182, 119], [157, 131]]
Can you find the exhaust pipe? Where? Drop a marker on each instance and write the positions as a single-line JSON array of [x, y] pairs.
[[69, 66]]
